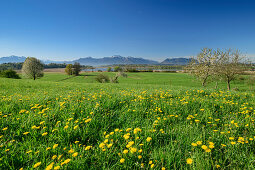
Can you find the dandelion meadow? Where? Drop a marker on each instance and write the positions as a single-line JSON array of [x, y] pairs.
[[63, 125]]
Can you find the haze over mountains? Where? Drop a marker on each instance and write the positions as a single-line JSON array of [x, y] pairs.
[[116, 59]]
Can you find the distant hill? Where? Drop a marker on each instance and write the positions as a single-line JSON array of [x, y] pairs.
[[114, 60], [176, 61], [12, 59]]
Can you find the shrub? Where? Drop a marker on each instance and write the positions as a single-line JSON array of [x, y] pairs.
[[9, 74], [102, 78]]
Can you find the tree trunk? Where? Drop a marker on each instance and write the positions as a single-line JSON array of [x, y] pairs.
[[228, 85], [204, 81], [34, 77]]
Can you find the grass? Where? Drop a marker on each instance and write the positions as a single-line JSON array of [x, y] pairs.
[[74, 123]]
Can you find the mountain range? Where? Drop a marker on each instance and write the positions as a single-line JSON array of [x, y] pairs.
[[116, 59]]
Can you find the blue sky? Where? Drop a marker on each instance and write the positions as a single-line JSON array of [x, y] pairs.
[[153, 29]]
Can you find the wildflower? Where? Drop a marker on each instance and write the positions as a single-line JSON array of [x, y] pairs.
[[136, 130], [88, 120], [25, 133], [125, 151], [116, 130], [66, 127], [75, 127], [71, 151], [133, 150], [54, 146], [56, 167], [189, 161], [150, 162], [152, 165], [211, 146], [5, 128], [148, 139], [140, 151], [204, 147], [88, 148], [163, 168], [37, 164], [231, 138], [75, 154], [59, 157], [54, 157], [76, 142], [194, 144], [208, 150], [50, 166], [199, 142], [101, 145], [45, 133], [48, 148], [110, 145], [66, 161], [122, 160], [126, 136], [139, 156], [233, 143], [128, 129], [29, 151]]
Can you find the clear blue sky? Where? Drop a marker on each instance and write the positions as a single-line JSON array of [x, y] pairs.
[[153, 29]]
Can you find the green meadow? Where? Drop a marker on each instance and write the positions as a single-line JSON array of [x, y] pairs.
[[146, 121]]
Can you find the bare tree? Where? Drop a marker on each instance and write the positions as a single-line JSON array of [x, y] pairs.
[[203, 65], [32, 68], [230, 65]]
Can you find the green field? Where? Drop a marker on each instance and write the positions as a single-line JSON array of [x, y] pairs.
[[147, 121]]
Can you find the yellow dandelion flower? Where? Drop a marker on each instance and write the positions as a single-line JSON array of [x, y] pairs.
[[71, 151], [208, 150], [50, 166], [75, 127], [75, 154], [199, 142], [37, 164], [87, 121], [54, 157], [56, 167], [45, 133], [189, 161], [122, 160], [148, 139], [194, 144], [125, 151], [88, 148], [204, 147], [54, 146]]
